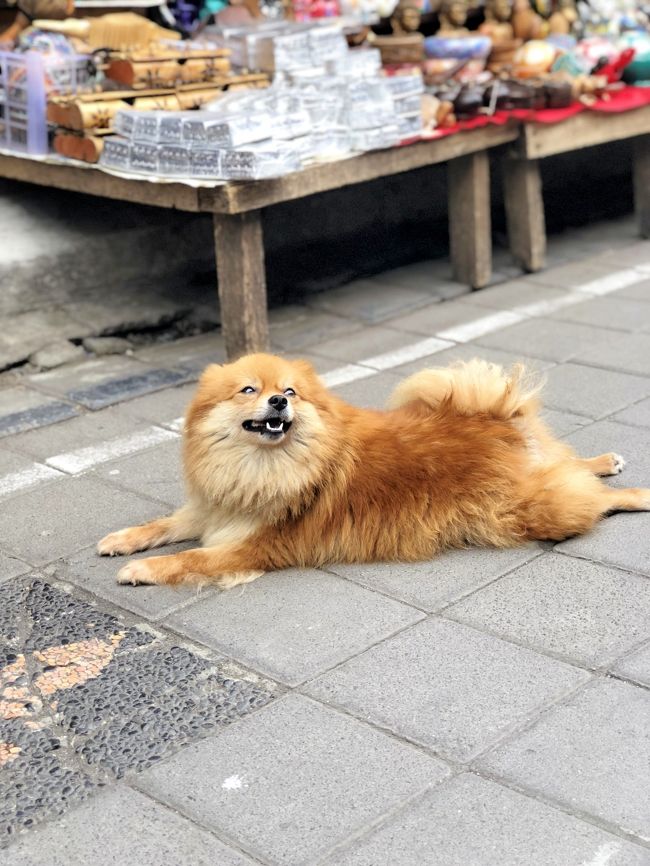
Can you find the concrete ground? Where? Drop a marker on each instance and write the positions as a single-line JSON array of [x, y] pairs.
[[487, 707]]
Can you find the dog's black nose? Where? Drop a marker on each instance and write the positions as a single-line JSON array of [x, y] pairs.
[[278, 402]]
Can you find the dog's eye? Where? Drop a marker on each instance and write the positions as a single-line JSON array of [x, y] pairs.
[[247, 390], [289, 392]]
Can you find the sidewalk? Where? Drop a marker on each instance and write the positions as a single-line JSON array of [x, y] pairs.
[[488, 707]]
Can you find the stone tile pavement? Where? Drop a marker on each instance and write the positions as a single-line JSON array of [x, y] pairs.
[[484, 708]]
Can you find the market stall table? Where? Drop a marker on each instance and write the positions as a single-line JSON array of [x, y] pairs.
[[538, 140], [237, 210]]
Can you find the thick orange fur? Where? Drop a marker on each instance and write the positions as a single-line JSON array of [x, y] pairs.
[[460, 458]]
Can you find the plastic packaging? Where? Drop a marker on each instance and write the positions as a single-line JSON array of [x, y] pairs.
[[331, 142], [369, 104], [116, 153], [404, 85], [257, 163], [209, 128], [144, 157], [409, 126], [205, 163], [375, 139], [174, 160], [409, 104], [123, 123]]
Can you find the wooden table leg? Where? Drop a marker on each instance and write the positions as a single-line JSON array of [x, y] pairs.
[[642, 184], [522, 189], [239, 246], [470, 233]]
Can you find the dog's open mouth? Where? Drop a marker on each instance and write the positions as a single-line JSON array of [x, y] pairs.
[[273, 427]]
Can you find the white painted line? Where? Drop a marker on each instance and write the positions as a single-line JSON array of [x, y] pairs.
[[612, 282], [30, 477], [543, 308], [479, 327], [74, 462], [176, 425], [603, 854], [349, 373], [407, 354]]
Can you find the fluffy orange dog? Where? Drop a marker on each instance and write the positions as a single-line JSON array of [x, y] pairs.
[[280, 473]]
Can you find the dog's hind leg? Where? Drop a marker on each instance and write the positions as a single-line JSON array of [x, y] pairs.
[[180, 526], [604, 464], [626, 499]]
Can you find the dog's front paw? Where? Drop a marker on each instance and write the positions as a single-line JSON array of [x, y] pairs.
[[136, 573], [117, 543], [618, 463]]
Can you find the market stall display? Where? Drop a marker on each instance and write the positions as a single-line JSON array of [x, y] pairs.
[[244, 116]]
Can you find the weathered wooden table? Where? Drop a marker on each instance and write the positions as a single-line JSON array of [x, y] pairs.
[[237, 210], [522, 178]]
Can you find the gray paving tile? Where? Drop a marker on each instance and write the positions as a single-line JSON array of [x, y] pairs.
[[637, 292], [435, 584], [436, 317], [371, 341], [638, 415], [636, 666], [65, 516], [11, 566], [106, 381], [114, 391], [91, 372], [432, 276], [629, 353], [589, 391], [194, 352], [121, 826], [293, 624], [19, 473], [157, 473], [23, 409], [163, 407], [319, 362], [578, 610], [514, 293], [79, 432], [467, 820], [633, 443], [609, 312], [591, 753], [546, 338], [630, 254], [446, 686], [97, 574], [372, 392], [563, 423], [291, 781], [468, 351], [573, 274], [369, 300], [293, 328], [622, 540]]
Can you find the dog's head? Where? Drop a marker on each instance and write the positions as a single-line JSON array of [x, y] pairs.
[[259, 401]]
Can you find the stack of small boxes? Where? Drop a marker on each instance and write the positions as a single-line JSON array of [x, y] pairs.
[[326, 101]]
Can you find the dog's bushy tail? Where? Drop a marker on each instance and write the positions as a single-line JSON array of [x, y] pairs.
[[472, 388]]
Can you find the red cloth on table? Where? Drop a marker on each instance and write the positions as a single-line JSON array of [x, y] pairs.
[[617, 101]]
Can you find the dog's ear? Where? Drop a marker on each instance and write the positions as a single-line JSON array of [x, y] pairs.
[[210, 374]]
